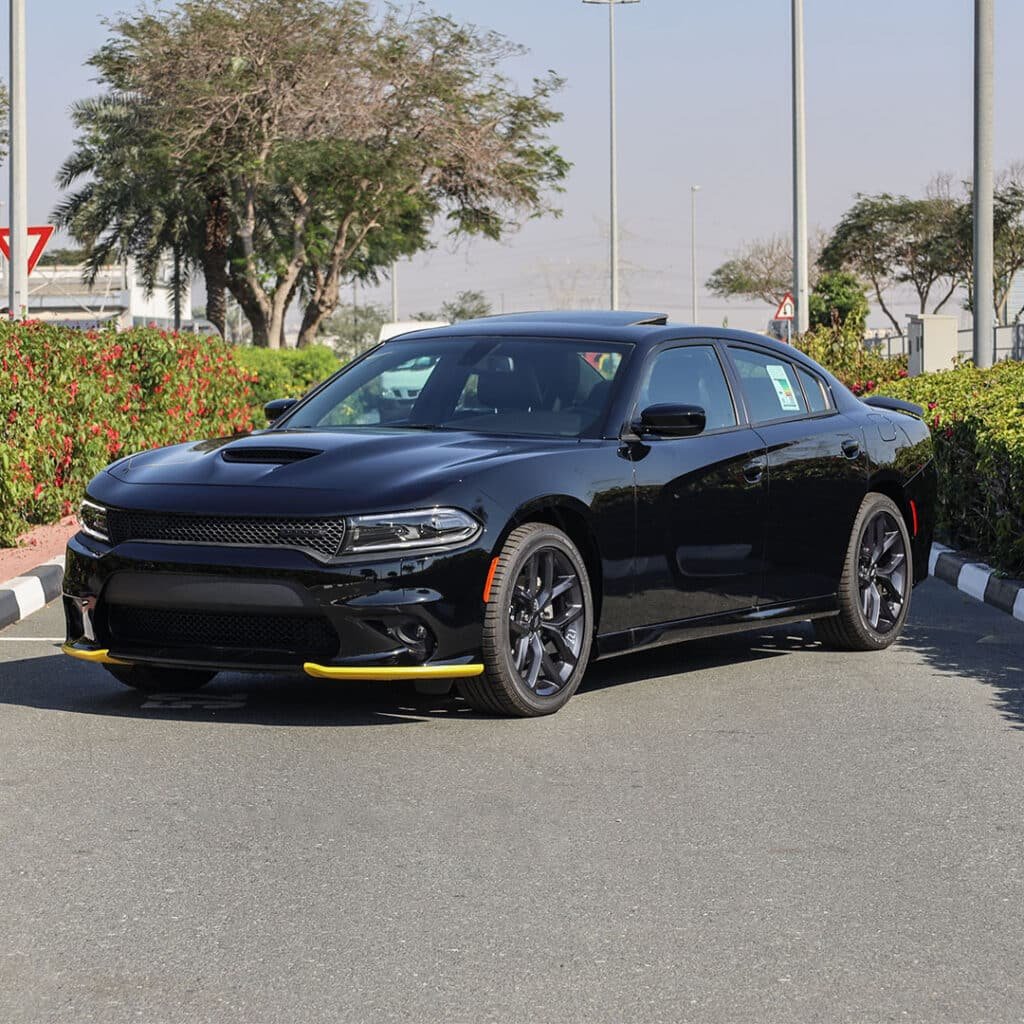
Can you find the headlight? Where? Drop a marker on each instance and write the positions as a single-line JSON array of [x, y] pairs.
[[93, 520], [429, 528]]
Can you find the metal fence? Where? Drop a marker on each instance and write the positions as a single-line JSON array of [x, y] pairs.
[[1009, 343]]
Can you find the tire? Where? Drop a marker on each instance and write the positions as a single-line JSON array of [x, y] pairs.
[[154, 679], [524, 639], [878, 574]]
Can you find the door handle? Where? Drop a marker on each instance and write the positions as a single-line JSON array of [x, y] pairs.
[[753, 471], [851, 447]]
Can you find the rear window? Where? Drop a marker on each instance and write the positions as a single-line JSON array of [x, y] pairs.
[[818, 397]]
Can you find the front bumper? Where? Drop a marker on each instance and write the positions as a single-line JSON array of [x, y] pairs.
[[412, 617]]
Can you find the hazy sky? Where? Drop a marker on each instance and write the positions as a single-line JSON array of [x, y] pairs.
[[703, 97]]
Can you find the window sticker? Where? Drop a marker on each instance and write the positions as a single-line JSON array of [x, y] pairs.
[[783, 387]]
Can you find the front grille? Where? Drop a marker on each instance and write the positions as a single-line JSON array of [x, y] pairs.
[[322, 537], [305, 637]]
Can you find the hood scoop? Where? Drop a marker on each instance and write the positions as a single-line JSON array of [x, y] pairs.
[[268, 456]]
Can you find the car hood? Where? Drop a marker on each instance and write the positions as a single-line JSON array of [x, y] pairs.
[[348, 469]]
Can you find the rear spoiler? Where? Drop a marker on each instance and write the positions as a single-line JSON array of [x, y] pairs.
[[894, 405]]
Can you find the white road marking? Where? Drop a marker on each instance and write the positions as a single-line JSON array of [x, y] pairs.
[[37, 639]]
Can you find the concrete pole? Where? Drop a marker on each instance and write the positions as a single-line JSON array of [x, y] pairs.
[[613, 218], [800, 286], [18, 281], [694, 189], [394, 292], [984, 297]]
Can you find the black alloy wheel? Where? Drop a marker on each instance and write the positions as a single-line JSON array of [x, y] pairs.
[[878, 573], [538, 626], [882, 572]]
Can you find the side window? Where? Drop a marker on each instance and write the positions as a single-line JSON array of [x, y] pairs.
[[691, 375], [818, 398], [769, 385]]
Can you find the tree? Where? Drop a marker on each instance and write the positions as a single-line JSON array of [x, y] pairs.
[[762, 269], [327, 141], [841, 294], [5, 107], [467, 305], [891, 240], [131, 203], [1008, 242], [353, 329]]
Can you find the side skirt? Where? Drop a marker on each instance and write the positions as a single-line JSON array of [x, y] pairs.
[[610, 644]]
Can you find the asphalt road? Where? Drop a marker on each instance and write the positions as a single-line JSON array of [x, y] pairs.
[[750, 829]]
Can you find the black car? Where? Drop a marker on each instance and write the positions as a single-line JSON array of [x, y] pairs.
[[502, 501]]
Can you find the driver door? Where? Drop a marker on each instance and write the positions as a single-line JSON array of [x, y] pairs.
[[701, 500]]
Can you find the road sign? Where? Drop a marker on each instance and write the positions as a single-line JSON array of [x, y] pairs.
[[787, 308], [42, 236]]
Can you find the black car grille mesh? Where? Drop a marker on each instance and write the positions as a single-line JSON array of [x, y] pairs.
[[305, 637], [321, 536]]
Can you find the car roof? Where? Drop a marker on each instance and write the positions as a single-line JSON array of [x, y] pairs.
[[638, 328]]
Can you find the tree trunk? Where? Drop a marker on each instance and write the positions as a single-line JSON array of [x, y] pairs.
[[215, 260], [321, 305]]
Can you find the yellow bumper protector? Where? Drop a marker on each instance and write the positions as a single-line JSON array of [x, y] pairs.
[[392, 671], [97, 657]]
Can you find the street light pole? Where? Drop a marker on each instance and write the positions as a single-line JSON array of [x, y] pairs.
[[984, 298], [800, 286], [17, 298], [694, 189], [394, 292], [613, 219]]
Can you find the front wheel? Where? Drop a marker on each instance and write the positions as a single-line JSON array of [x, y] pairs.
[[155, 679], [538, 626], [874, 591]]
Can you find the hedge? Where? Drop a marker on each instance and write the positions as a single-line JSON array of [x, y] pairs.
[[72, 401], [285, 373], [977, 422]]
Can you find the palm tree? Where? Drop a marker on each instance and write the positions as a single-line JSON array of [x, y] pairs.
[[131, 200]]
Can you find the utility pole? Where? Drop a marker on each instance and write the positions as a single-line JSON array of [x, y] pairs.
[[17, 300], [800, 287], [613, 218], [694, 189], [394, 292], [984, 298]]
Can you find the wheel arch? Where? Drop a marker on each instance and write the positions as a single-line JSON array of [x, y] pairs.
[[574, 519]]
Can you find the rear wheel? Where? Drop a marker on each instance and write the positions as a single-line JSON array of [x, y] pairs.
[[538, 626], [154, 679], [874, 592]]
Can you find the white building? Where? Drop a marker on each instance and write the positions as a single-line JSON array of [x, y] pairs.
[[57, 293]]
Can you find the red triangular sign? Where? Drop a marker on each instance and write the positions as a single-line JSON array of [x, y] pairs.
[[42, 236], [787, 308]]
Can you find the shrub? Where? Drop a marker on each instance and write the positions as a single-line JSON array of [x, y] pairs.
[[977, 422], [72, 401], [286, 372], [841, 351]]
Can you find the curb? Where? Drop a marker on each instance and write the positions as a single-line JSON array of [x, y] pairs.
[[23, 595], [977, 580]]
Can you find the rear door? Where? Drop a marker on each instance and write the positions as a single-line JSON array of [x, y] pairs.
[[701, 500], [817, 473]]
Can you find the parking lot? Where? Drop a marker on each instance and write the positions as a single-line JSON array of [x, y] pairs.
[[750, 828]]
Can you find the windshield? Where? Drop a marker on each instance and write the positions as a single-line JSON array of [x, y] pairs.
[[531, 386]]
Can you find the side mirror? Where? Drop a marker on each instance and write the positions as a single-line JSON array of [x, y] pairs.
[[670, 420], [278, 407]]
